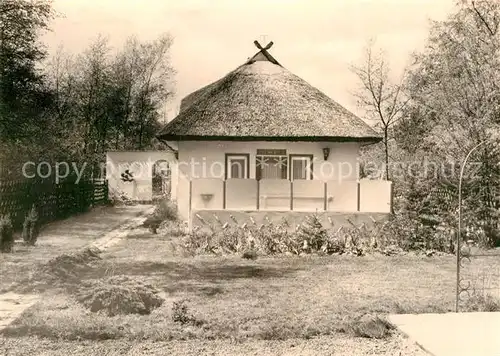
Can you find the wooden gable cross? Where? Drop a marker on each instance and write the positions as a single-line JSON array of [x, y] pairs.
[[263, 49], [264, 52]]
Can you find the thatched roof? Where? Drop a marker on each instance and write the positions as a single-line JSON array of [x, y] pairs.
[[261, 100]]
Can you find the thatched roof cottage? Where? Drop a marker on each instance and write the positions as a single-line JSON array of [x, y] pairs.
[[261, 138]]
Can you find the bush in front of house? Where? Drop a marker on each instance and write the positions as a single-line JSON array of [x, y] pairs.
[[389, 237], [119, 295], [274, 238], [312, 232], [412, 235], [6, 234], [165, 210], [118, 197], [228, 240]]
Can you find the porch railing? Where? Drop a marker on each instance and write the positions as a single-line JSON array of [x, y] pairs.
[[373, 196]]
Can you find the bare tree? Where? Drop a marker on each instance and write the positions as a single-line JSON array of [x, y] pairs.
[[383, 100]]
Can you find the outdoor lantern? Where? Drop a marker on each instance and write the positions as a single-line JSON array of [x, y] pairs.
[[326, 152]]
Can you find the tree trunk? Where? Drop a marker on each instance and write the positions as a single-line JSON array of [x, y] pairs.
[[386, 151]]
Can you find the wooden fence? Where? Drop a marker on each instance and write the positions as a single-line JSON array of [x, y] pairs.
[[53, 201]]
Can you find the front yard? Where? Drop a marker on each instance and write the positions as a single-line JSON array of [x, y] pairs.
[[272, 305]]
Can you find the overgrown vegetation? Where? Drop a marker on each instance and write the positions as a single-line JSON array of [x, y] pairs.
[[61, 272], [479, 301], [67, 266], [368, 326], [119, 295], [181, 314], [230, 298], [31, 227], [443, 106], [165, 211], [6, 234], [389, 236], [74, 107]]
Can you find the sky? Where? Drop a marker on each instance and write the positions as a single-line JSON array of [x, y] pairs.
[[318, 40]]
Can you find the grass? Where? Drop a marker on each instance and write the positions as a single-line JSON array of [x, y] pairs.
[[269, 298], [228, 299], [58, 238], [337, 345]]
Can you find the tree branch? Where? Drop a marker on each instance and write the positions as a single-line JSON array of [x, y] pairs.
[[483, 20]]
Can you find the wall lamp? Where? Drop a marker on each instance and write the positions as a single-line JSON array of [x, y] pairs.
[[326, 152]]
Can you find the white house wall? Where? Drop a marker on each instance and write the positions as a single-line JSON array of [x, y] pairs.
[[140, 164], [209, 157]]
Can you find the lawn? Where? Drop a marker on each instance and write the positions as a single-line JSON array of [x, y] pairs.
[[285, 305], [57, 238]]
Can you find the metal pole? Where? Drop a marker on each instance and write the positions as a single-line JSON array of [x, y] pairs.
[[459, 233]]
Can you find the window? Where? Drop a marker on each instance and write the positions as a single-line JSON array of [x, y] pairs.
[[271, 164], [237, 166], [300, 167]]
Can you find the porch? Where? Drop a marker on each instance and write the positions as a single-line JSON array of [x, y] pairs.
[[278, 195]]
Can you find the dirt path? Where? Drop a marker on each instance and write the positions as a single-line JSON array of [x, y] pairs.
[[61, 237], [101, 228]]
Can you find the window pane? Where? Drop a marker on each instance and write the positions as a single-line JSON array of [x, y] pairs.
[[272, 167], [301, 168], [237, 168]]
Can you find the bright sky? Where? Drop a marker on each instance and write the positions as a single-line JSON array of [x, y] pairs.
[[315, 39]]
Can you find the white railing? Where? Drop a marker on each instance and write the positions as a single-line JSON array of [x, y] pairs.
[[373, 196]]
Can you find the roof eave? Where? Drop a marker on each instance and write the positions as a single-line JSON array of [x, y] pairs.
[[364, 139]]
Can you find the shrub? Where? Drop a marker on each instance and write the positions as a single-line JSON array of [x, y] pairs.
[[118, 197], [276, 238], [119, 295], [31, 227], [229, 240], [336, 242], [196, 241], [6, 234], [389, 237], [273, 238], [165, 210], [69, 266], [478, 302], [174, 228], [249, 255], [180, 314], [312, 232], [369, 326]]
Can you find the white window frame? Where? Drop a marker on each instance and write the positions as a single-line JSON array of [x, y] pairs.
[[229, 158], [308, 160]]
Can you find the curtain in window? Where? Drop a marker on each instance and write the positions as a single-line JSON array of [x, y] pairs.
[[299, 168], [272, 167], [237, 168]]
